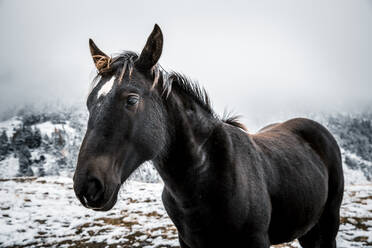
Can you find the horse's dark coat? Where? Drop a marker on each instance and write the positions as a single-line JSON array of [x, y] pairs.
[[223, 186]]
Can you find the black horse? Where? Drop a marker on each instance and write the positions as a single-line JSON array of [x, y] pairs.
[[223, 186]]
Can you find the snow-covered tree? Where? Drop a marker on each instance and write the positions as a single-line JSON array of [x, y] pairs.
[[4, 145], [25, 162]]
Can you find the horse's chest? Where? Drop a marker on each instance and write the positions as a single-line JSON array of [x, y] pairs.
[[192, 215], [196, 219]]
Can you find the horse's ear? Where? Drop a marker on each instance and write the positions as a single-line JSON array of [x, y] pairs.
[[100, 59], [152, 50]]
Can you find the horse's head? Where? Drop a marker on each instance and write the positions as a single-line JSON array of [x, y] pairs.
[[126, 123]]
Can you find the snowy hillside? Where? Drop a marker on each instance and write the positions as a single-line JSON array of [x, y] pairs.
[[354, 135], [39, 143]]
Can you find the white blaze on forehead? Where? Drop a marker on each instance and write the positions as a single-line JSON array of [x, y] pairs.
[[106, 88]]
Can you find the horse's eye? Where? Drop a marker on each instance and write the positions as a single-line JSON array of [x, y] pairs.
[[132, 100]]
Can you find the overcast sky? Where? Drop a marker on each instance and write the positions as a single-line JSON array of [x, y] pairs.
[[254, 57]]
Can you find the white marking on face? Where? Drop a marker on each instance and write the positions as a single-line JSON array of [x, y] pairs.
[[106, 88]]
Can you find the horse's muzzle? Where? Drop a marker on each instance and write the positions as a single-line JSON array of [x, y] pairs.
[[94, 194]]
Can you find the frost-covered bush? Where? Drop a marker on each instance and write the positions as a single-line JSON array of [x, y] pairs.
[[28, 136], [354, 134], [25, 161], [4, 145]]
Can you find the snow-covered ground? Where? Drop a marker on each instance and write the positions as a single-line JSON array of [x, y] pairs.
[[44, 212]]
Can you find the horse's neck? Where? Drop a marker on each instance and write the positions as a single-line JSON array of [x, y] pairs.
[[185, 154]]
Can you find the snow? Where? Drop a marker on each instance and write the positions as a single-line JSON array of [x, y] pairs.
[[9, 125], [352, 177], [9, 167], [45, 212], [72, 136], [47, 128], [357, 158]]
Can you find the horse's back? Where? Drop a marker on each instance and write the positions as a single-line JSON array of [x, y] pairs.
[[311, 132]]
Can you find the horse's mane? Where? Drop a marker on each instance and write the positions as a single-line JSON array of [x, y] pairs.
[[233, 120], [199, 95], [175, 80]]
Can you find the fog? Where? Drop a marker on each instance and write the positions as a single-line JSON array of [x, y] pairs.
[[261, 59]]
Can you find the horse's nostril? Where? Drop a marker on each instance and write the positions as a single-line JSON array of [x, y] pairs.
[[95, 190]]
